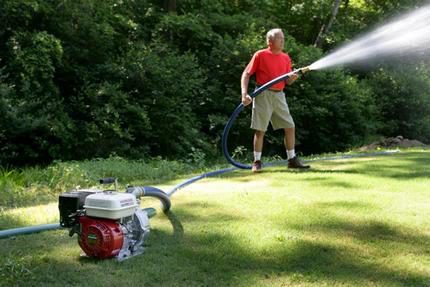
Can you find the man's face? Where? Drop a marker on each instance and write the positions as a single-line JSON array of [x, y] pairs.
[[278, 41]]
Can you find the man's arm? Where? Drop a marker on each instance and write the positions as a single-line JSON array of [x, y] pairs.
[[244, 81]]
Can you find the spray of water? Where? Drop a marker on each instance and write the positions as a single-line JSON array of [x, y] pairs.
[[403, 37]]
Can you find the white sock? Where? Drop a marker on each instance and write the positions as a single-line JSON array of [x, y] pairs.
[[291, 154], [257, 155]]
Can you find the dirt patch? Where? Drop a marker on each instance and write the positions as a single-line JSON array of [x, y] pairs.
[[395, 142]]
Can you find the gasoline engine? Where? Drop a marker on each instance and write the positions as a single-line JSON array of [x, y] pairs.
[[109, 224]]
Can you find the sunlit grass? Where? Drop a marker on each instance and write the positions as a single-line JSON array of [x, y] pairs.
[[32, 215], [351, 222]]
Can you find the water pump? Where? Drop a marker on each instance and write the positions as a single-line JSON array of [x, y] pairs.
[[109, 224]]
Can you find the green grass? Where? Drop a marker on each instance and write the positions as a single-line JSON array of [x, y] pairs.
[[352, 222]]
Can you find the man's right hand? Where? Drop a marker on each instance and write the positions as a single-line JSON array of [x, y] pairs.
[[246, 100]]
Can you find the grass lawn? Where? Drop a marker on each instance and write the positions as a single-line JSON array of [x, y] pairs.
[[352, 222]]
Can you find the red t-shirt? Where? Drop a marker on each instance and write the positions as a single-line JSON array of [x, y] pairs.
[[269, 66]]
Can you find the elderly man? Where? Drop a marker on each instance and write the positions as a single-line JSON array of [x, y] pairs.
[[271, 105]]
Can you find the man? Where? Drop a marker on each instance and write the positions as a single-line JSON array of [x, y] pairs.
[[271, 105]]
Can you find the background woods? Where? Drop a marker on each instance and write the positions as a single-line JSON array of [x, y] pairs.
[[90, 78]]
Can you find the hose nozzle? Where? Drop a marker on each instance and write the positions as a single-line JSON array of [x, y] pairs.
[[303, 70]]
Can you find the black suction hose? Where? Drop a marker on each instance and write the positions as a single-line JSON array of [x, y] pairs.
[[140, 191], [240, 107]]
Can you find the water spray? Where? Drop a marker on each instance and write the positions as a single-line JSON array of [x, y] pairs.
[[407, 36]]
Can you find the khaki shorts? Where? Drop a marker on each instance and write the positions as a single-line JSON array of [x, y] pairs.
[[271, 106]]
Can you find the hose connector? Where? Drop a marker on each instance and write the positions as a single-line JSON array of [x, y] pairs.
[[303, 70]]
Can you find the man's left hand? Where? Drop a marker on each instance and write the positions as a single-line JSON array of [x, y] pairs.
[[292, 79]]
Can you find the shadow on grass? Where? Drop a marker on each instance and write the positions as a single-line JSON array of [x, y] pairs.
[[400, 166], [317, 175], [333, 182], [201, 252], [178, 229], [366, 230], [219, 259], [346, 205]]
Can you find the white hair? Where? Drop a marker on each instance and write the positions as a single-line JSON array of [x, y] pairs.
[[270, 36]]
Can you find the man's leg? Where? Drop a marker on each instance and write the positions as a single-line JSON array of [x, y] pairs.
[[289, 142], [258, 149], [258, 141], [289, 138]]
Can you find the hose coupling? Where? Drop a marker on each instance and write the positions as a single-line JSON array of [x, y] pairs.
[[303, 70]]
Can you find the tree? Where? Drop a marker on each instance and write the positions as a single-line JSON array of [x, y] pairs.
[[325, 29], [170, 6]]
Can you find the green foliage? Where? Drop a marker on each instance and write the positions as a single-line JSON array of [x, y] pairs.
[[35, 125], [404, 109], [170, 86], [186, 32], [108, 121], [302, 19], [11, 187], [332, 115], [92, 78]]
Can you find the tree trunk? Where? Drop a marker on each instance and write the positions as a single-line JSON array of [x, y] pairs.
[[170, 6], [326, 28]]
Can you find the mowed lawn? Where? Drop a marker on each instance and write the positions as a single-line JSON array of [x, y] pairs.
[[351, 222]]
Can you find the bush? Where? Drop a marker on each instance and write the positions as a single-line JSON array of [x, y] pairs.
[[35, 125], [403, 104], [171, 87]]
